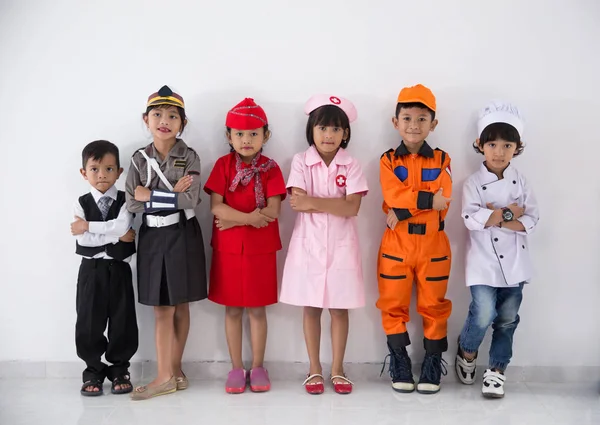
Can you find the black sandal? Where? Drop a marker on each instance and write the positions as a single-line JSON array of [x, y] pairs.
[[95, 383], [121, 380]]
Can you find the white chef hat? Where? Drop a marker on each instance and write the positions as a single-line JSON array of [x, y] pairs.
[[499, 111]]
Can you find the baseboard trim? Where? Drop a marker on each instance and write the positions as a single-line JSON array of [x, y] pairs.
[[290, 371]]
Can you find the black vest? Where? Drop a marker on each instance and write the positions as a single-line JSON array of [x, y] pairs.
[[118, 251]]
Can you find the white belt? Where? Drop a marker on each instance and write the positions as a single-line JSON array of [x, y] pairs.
[[162, 221]]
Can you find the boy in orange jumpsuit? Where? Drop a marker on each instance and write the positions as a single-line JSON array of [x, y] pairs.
[[417, 186]]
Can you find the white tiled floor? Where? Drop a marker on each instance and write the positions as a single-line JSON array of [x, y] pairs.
[[57, 402]]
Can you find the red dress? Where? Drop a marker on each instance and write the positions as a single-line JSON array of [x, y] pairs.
[[244, 268]]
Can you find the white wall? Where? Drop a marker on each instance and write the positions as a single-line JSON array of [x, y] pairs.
[[74, 71]]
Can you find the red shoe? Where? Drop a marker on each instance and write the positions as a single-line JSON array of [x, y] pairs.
[[341, 387], [314, 387]]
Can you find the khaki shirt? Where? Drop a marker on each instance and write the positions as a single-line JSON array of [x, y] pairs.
[[180, 161]]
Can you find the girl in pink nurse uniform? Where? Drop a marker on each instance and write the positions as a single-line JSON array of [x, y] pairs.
[[323, 266]]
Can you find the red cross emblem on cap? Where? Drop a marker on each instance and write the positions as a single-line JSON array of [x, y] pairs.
[[335, 100], [340, 181]]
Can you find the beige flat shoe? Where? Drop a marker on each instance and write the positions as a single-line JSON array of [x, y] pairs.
[[182, 382], [145, 392]]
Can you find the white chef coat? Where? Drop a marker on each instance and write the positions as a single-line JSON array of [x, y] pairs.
[[497, 256]]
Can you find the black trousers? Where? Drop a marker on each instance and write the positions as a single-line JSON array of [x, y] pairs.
[[105, 294]]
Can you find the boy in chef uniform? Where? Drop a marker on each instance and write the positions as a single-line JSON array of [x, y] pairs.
[[500, 211]]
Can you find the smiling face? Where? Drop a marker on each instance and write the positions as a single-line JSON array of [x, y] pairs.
[[102, 173], [164, 122], [414, 125]]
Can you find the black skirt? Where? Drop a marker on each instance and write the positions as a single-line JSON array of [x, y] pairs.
[[171, 264]]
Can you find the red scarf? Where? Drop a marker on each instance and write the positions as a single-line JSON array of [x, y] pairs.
[[244, 175]]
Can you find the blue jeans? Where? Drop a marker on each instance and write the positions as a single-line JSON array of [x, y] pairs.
[[498, 307]]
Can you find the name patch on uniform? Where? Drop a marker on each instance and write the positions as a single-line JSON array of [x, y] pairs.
[[179, 163], [340, 181]]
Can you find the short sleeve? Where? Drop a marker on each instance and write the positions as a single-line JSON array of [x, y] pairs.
[[355, 179], [296, 178], [217, 180], [275, 183]]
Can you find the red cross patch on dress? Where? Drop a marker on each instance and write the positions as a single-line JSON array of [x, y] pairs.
[[340, 181], [335, 100]]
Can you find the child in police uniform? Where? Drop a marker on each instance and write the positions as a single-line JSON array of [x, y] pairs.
[[164, 184], [500, 211], [246, 189], [105, 241]]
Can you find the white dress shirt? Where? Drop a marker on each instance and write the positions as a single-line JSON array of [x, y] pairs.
[[104, 232]]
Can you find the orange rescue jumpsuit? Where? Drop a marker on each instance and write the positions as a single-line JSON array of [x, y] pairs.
[[417, 248]]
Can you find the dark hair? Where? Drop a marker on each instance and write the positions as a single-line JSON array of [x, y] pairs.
[[97, 150], [179, 109], [500, 130], [409, 105], [328, 116], [265, 128]]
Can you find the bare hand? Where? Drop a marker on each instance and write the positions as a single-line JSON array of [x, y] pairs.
[[298, 191], [79, 226], [128, 237], [142, 194], [183, 184], [391, 219], [224, 224], [299, 201], [258, 220], [440, 202]]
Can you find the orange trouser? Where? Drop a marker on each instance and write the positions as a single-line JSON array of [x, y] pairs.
[[404, 258]]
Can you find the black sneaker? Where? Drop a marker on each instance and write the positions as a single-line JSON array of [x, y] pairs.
[[400, 370], [434, 366]]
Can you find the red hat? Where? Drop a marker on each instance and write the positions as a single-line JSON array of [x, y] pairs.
[[246, 115]]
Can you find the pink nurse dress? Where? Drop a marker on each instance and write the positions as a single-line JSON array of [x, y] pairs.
[[323, 267]]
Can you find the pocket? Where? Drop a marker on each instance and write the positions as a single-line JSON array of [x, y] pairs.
[[438, 269], [173, 174], [392, 267]]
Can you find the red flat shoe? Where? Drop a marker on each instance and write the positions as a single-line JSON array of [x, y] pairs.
[[342, 387], [314, 387]]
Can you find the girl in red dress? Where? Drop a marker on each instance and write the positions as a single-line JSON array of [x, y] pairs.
[[246, 189]]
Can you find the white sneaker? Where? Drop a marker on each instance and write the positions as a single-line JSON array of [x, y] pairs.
[[493, 384], [465, 369]]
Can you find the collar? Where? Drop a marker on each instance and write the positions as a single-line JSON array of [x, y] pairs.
[[234, 156], [425, 150], [111, 193], [312, 157], [178, 150], [488, 177]]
